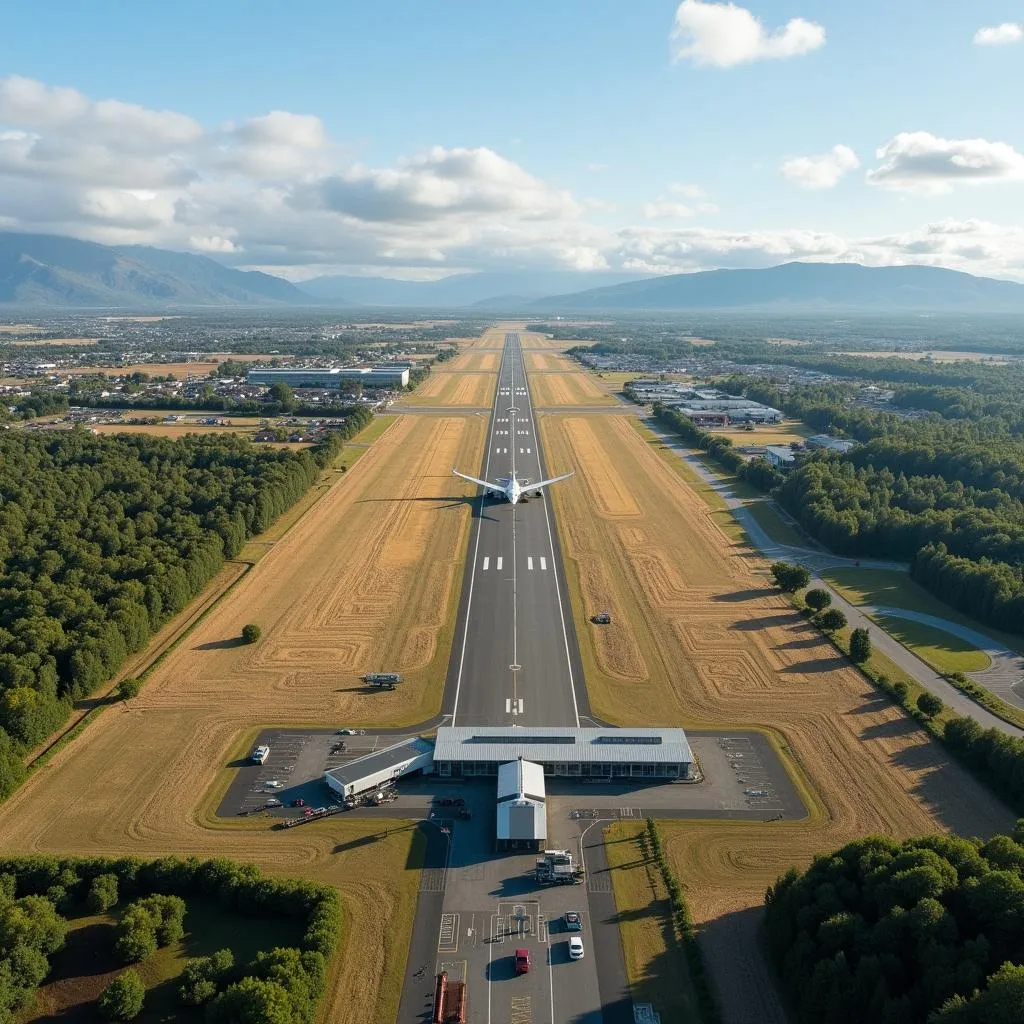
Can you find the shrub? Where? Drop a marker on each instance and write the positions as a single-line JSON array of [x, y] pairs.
[[136, 934], [817, 599], [251, 633], [901, 690], [830, 620], [860, 646], [199, 980], [122, 999], [930, 705], [128, 688]]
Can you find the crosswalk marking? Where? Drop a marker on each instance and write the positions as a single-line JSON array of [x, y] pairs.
[[543, 564], [487, 562]]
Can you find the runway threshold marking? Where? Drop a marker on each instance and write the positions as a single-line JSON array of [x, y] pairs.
[[498, 566], [487, 563], [543, 564], [529, 562]]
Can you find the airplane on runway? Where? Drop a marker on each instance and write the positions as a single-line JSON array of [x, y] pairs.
[[512, 489]]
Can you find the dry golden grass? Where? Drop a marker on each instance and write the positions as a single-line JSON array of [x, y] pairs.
[[18, 328], [455, 389], [937, 356], [168, 429], [481, 362], [699, 635], [367, 579], [561, 389], [777, 433]]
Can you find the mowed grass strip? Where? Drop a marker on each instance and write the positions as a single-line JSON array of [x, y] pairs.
[[767, 516], [943, 651], [891, 588], [656, 964]]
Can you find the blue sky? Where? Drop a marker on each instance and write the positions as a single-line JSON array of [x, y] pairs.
[[418, 138]]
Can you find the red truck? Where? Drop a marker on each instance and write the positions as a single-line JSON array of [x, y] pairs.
[[449, 1001]]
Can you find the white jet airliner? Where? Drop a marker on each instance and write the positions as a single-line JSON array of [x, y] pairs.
[[514, 490]]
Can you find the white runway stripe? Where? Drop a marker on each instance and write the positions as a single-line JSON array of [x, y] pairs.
[[487, 562], [543, 564], [529, 563], [498, 566]]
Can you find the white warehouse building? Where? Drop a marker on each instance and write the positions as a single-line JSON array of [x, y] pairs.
[[522, 810], [381, 768], [332, 376]]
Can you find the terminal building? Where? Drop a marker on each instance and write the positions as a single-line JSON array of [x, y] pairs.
[[333, 377], [468, 751]]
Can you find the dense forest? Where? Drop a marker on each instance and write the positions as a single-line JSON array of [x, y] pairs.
[[148, 899], [927, 930], [102, 539]]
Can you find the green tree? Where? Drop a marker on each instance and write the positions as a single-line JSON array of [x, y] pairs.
[[860, 646], [251, 633], [830, 620], [900, 689], [817, 599], [128, 688], [103, 894], [122, 999], [282, 393], [199, 981], [790, 578], [252, 1001], [930, 705]]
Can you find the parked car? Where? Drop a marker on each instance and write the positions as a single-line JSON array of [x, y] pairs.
[[575, 948], [347, 732], [573, 921], [298, 802], [273, 784], [522, 961], [273, 802]]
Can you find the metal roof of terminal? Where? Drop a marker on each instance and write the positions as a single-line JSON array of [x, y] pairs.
[[561, 744], [380, 760]]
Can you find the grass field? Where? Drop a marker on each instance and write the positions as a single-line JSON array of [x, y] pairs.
[[455, 389], [781, 433], [890, 588], [562, 389], [551, 361], [481, 362], [943, 651], [936, 356], [365, 579], [699, 634], [655, 962], [81, 342], [769, 519]]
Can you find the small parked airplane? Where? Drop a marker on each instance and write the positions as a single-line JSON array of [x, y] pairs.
[[512, 489]]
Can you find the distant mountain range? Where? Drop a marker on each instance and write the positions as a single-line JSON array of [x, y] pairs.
[[51, 272], [488, 289], [805, 286], [48, 270]]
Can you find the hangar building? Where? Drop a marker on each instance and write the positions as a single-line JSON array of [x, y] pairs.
[[381, 767], [522, 812]]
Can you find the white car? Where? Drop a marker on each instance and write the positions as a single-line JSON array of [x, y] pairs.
[[575, 948], [273, 784]]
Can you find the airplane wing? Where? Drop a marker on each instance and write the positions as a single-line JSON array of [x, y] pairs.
[[553, 480], [482, 483]]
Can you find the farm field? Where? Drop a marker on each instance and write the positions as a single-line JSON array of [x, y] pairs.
[[179, 370], [366, 578], [83, 342], [559, 389], [698, 633], [455, 389]]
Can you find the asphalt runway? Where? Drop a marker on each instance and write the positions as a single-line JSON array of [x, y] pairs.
[[516, 659]]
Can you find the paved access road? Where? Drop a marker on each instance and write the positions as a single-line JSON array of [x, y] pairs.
[[515, 660]]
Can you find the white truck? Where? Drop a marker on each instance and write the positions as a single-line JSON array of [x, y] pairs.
[[260, 754], [557, 867]]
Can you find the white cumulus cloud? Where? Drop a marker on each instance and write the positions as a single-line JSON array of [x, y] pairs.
[[920, 161], [723, 35], [822, 171], [999, 35]]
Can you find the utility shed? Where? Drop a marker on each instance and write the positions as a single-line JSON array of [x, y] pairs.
[[522, 811]]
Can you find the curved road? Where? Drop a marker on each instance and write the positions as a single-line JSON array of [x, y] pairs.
[[1004, 677]]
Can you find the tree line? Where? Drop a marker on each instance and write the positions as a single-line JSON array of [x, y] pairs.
[[278, 986], [105, 537], [926, 930]]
